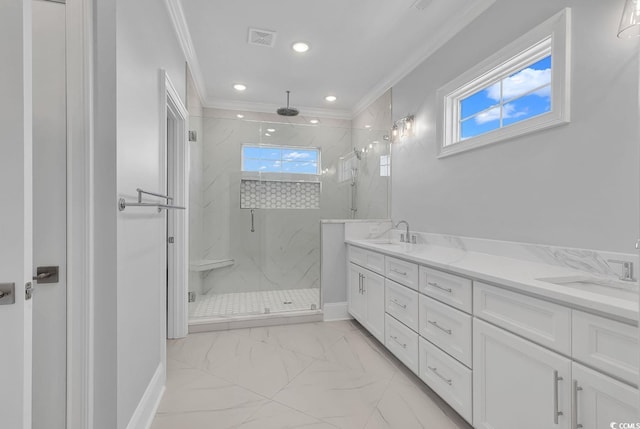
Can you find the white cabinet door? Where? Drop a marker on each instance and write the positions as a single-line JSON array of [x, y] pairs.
[[518, 384], [374, 294], [356, 299], [600, 401]]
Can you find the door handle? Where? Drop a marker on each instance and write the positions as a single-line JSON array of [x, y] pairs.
[[556, 412], [47, 274]]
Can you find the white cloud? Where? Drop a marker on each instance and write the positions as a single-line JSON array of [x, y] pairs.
[[521, 82], [297, 155], [494, 114]]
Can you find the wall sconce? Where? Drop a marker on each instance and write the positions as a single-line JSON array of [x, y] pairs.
[[402, 128], [630, 21]]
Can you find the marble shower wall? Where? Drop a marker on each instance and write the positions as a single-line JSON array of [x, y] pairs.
[[369, 130], [284, 251]]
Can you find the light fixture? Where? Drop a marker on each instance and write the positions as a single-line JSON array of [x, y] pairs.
[[331, 98], [367, 126], [271, 130], [401, 128], [630, 22], [239, 87], [314, 121], [239, 116], [267, 134], [300, 47]]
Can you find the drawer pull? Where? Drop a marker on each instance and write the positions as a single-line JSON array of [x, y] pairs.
[[434, 323], [395, 301], [394, 338], [576, 389], [436, 285], [556, 411], [402, 273], [446, 380]]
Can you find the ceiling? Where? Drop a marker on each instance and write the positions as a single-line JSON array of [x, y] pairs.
[[359, 48]]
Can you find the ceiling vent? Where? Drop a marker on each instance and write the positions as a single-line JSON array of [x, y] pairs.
[[262, 37]]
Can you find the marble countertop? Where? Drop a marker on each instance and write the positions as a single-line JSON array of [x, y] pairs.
[[520, 275]]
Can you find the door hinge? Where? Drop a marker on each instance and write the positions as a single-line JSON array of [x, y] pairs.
[[170, 240]]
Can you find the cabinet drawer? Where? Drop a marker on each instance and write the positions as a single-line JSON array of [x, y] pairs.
[[540, 321], [607, 345], [446, 327], [402, 303], [447, 377], [403, 272], [402, 342], [365, 258], [448, 288]]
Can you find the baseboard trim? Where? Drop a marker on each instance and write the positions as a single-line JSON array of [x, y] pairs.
[[148, 406], [336, 311]]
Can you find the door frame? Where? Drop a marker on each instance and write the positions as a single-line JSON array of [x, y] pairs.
[[173, 115], [80, 211]]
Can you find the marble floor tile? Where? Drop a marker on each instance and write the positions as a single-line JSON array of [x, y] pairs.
[[335, 394], [407, 404], [260, 367], [277, 416], [313, 375]]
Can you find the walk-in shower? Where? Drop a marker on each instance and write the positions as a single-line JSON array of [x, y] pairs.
[[258, 191]]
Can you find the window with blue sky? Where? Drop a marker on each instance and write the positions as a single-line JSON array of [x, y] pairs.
[[520, 96], [280, 159]]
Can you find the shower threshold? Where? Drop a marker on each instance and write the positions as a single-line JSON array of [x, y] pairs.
[[204, 324]]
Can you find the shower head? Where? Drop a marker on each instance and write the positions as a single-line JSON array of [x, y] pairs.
[[287, 111], [357, 153]]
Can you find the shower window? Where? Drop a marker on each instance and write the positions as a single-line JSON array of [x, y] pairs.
[[280, 159]]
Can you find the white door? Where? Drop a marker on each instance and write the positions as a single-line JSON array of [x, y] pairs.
[[15, 212], [49, 214], [600, 401], [518, 384], [374, 293]]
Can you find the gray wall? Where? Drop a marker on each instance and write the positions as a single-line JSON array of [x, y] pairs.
[[145, 44], [576, 185]]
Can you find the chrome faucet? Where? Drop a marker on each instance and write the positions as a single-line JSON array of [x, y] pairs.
[[406, 238]]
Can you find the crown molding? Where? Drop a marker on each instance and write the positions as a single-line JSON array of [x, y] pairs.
[[271, 108], [452, 27], [176, 14]]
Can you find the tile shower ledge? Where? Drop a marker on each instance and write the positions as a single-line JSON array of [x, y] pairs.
[[512, 273]]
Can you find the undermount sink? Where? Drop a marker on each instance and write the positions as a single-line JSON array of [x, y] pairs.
[[609, 287]]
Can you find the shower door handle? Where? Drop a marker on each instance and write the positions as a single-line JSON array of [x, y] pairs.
[[253, 228]]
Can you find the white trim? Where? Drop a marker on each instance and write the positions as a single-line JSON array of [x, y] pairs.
[[176, 14], [247, 106], [148, 406], [449, 29], [336, 311], [80, 244], [553, 37], [178, 258]]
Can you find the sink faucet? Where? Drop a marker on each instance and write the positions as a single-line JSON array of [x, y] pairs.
[[407, 237]]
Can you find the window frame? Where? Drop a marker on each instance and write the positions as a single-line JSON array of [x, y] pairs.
[[552, 37], [280, 174]]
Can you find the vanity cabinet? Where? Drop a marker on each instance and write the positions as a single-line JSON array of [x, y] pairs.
[[366, 299], [518, 384], [502, 359]]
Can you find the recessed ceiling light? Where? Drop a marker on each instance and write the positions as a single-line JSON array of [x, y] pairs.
[[300, 47], [239, 116], [367, 126], [239, 87], [271, 130], [314, 121], [331, 98], [267, 134]]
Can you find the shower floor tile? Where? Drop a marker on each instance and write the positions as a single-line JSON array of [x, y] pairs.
[[239, 303]]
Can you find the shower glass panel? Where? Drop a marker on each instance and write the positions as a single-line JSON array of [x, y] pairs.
[[259, 230]]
